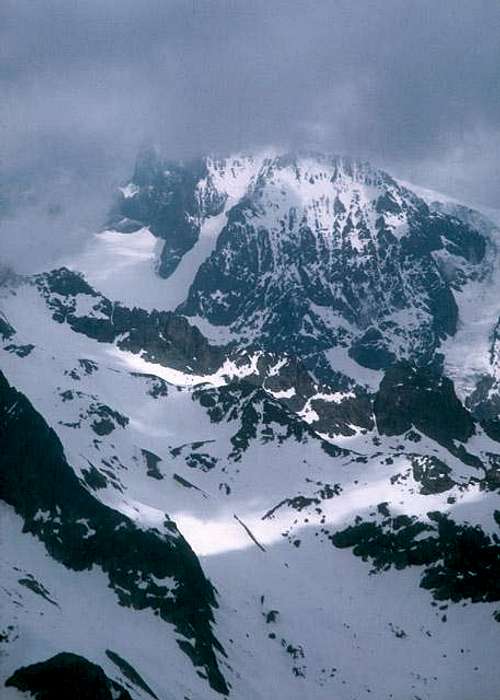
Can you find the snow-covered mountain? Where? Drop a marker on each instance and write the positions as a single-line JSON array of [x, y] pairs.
[[250, 443]]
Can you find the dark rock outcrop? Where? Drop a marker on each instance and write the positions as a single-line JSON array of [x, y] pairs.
[[67, 675], [164, 337], [421, 397]]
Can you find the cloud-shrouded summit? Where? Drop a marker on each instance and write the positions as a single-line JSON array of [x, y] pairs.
[[410, 86]]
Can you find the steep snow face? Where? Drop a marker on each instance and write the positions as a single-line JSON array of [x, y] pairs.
[[470, 354], [232, 176], [231, 179]]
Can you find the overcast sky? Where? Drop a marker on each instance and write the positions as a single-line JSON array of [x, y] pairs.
[[412, 86]]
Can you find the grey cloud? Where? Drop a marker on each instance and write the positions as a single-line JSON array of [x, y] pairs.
[[410, 85]]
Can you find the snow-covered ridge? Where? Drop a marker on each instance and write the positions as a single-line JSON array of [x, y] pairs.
[[433, 197]]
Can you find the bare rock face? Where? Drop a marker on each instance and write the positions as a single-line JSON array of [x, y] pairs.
[[422, 398], [67, 675]]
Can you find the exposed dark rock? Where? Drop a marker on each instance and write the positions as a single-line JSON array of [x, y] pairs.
[[163, 337], [19, 350], [461, 562], [432, 474], [420, 397], [94, 478], [339, 417], [105, 419], [6, 330], [157, 387], [152, 462], [68, 283], [64, 676], [257, 416], [371, 350], [30, 582]]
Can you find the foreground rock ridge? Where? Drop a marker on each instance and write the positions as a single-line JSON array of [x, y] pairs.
[[250, 442]]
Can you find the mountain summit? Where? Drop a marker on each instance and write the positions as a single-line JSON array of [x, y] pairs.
[[305, 253], [253, 433]]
